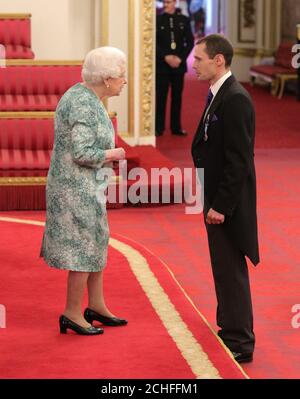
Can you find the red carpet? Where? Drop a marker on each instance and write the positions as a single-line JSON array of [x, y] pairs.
[[277, 120], [146, 158], [33, 294], [275, 283], [180, 241]]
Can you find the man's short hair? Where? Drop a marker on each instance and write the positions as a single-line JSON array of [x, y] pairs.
[[218, 44]]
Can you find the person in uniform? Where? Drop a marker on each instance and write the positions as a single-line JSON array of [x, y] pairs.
[[174, 42]]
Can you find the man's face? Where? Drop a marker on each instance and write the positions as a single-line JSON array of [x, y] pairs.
[[169, 6], [205, 68]]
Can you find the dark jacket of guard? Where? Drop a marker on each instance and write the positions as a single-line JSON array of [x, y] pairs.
[[227, 157], [183, 38]]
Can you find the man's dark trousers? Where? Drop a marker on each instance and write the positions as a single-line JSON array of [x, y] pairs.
[[175, 80], [234, 310]]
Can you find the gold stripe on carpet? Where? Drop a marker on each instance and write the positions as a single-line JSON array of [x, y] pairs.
[[190, 349], [196, 309], [188, 346]]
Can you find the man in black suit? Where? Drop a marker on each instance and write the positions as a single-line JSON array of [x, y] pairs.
[[224, 146], [174, 42]]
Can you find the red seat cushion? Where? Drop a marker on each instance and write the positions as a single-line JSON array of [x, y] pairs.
[[271, 70], [15, 31], [24, 159], [39, 102], [35, 87], [13, 51], [26, 144], [284, 55], [23, 173], [38, 79]]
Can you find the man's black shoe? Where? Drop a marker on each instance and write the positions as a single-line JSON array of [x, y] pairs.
[[180, 133], [157, 134], [243, 357]]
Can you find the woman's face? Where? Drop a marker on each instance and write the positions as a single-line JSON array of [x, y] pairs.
[[116, 84]]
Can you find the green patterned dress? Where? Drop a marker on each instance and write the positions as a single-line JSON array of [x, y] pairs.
[[76, 233]]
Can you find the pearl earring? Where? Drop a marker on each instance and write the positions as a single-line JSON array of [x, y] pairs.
[[108, 86]]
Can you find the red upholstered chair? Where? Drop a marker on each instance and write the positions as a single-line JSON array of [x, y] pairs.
[[26, 143], [35, 87], [25, 146], [15, 35], [279, 71]]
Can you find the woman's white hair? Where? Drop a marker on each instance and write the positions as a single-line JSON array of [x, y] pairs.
[[102, 63]]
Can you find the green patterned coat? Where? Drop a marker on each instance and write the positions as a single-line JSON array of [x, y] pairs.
[[76, 233]]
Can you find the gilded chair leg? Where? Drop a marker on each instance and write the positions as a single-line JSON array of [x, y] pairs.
[[281, 91], [275, 86]]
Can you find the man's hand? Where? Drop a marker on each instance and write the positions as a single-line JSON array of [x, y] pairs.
[[173, 61], [214, 217]]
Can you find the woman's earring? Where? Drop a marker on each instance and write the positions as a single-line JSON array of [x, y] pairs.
[[108, 86]]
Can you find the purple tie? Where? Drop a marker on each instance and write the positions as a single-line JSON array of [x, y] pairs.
[[210, 96]]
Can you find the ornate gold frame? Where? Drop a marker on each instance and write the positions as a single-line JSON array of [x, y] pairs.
[[131, 67], [147, 67]]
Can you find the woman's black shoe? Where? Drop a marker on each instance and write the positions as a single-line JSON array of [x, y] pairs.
[[90, 315], [65, 323]]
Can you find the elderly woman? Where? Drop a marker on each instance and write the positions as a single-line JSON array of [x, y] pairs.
[[76, 233]]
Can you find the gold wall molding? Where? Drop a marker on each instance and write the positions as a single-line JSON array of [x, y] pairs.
[[39, 181], [15, 16], [253, 52], [147, 49], [36, 115], [23, 181], [20, 62], [27, 115]]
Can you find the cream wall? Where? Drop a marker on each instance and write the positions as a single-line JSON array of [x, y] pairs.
[[118, 37], [128, 25], [290, 18], [262, 40], [68, 29], [61, 29]]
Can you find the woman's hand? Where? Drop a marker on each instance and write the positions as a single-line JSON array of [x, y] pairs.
[[117, 154]]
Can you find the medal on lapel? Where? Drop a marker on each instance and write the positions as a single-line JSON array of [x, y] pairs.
[[173, 43], [205, 138]]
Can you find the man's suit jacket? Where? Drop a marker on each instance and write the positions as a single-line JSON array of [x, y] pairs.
[[227, 157]]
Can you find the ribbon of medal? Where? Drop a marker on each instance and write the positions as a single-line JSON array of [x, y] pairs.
[[173, 43]]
